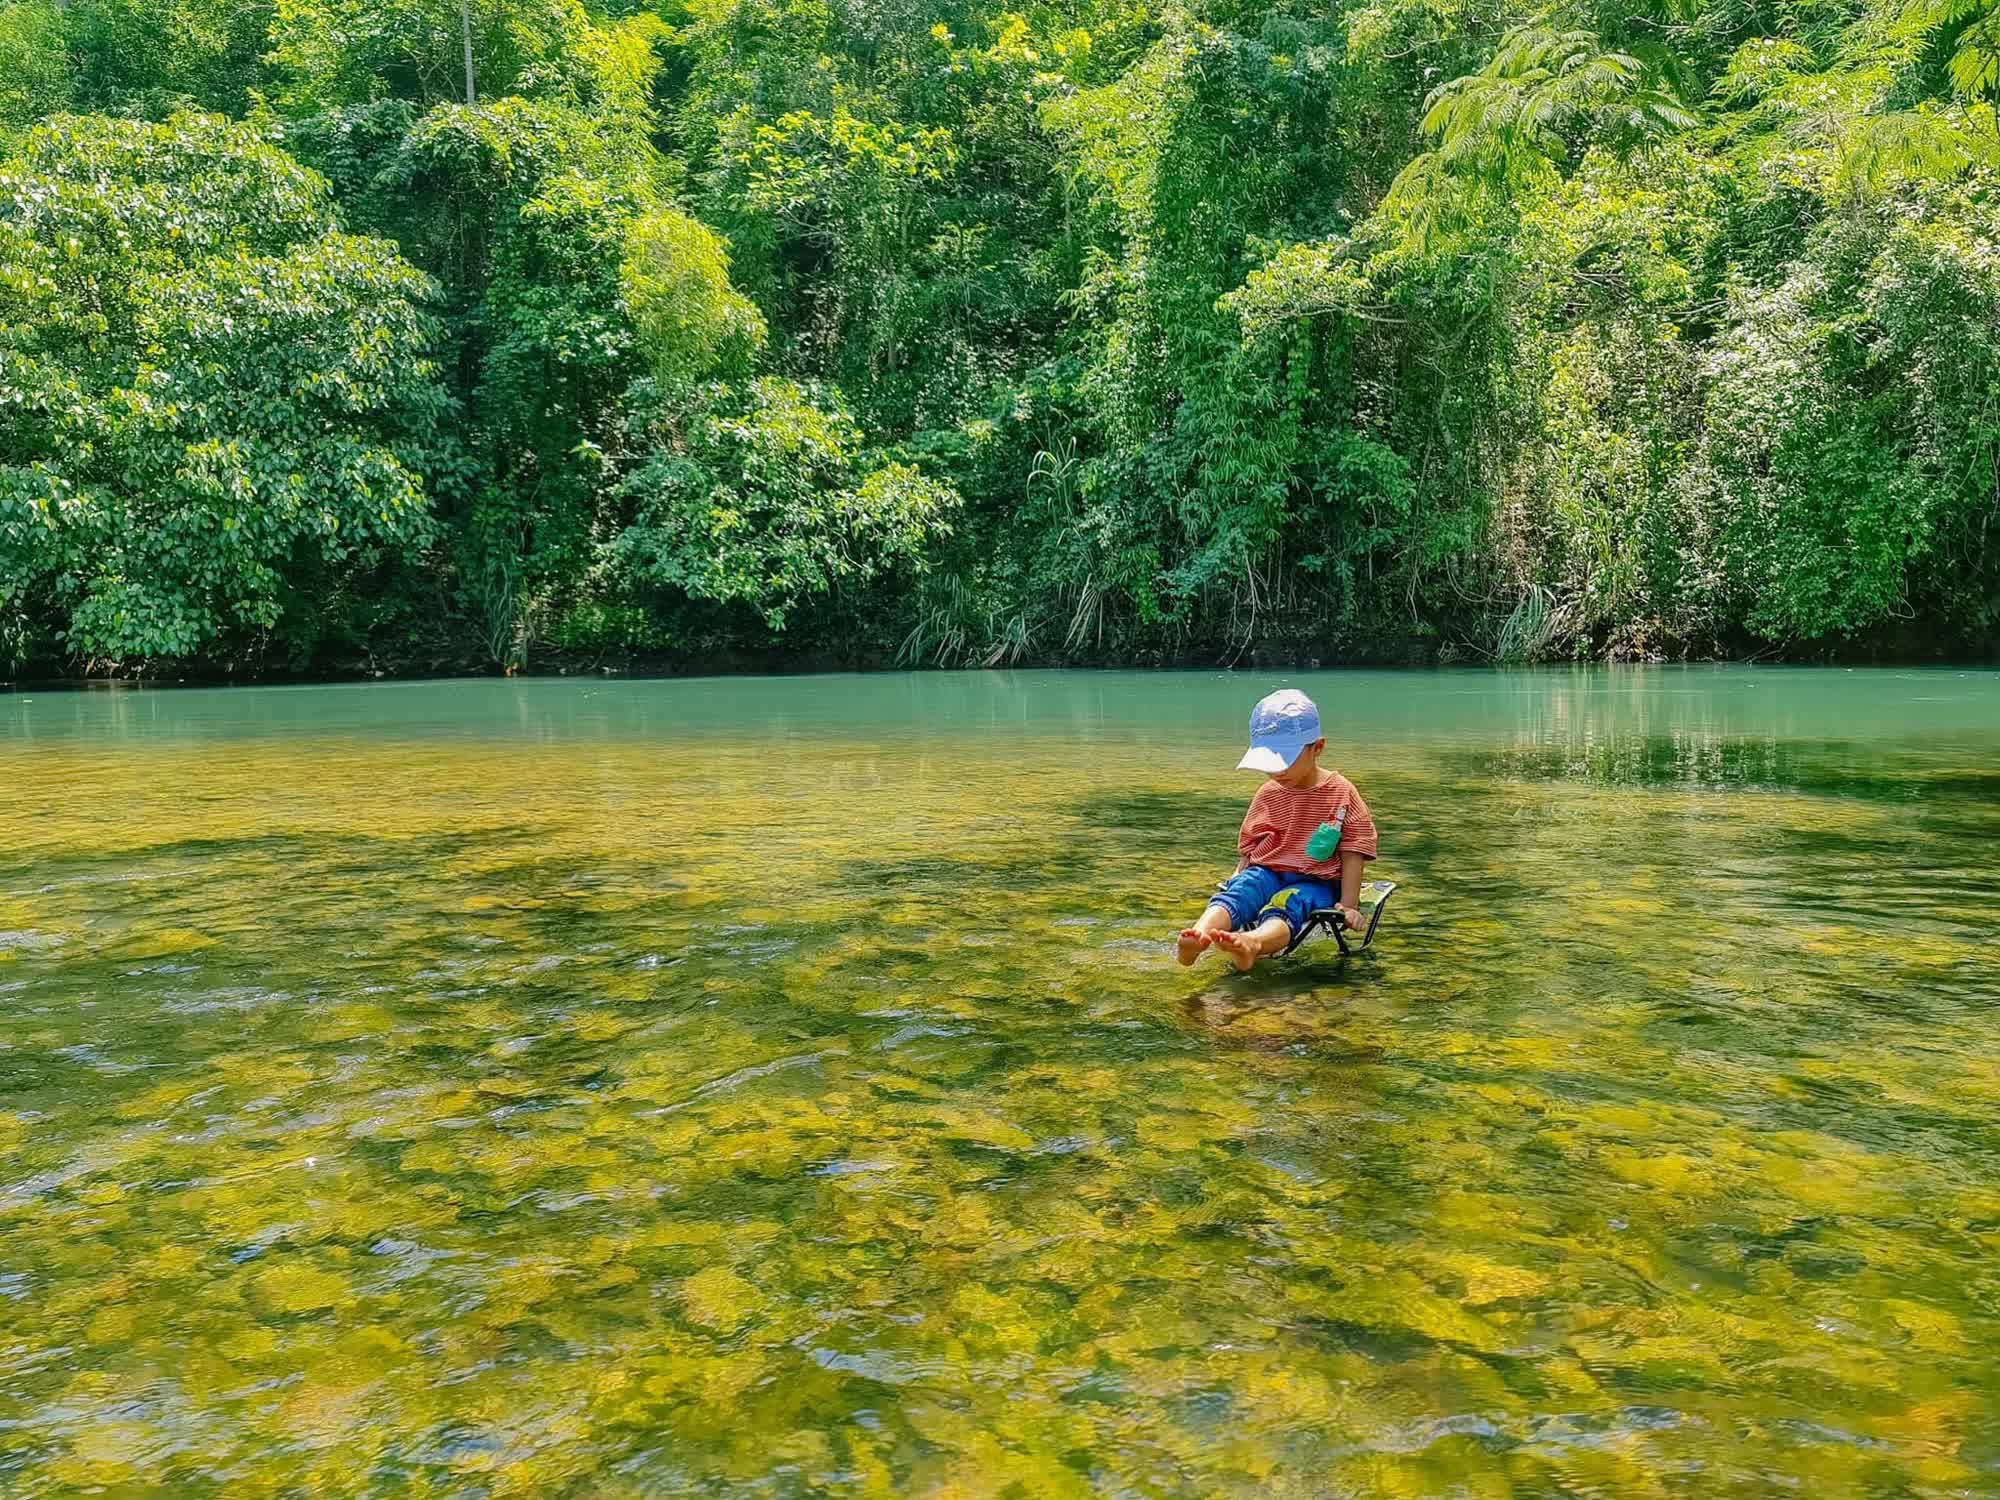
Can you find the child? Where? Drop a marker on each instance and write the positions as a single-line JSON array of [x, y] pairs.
[[1299, 796]]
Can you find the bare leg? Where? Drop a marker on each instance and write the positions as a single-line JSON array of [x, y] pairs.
[[1247, 947], [1193, 939]]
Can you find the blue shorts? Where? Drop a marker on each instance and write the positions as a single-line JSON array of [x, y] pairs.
[[1258, 893]]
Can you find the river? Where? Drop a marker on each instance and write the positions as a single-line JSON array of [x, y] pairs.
[[784, 1087]]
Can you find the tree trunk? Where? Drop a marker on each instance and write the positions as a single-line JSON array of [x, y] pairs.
[[465, 21]]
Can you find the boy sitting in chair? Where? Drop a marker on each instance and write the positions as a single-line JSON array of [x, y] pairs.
[[1301, 803]]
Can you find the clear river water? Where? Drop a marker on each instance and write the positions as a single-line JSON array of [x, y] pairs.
[[784, 1087]]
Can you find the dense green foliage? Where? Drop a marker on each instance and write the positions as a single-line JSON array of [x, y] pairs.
[[217, 406], [1091, 331]]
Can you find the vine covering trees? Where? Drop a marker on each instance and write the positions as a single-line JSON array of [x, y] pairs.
[[423, 334]]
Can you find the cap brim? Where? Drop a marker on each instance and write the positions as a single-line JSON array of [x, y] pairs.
[[1267, 758]]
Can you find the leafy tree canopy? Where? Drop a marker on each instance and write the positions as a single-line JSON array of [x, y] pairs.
[[208, 394]]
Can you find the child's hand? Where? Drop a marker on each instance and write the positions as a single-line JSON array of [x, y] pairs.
[[1351, 915]]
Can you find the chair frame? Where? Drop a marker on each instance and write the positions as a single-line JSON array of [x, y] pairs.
[[1332, 919]]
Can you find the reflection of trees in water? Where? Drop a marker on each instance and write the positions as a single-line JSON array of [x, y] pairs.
[[1711, 756], [1705, 762]]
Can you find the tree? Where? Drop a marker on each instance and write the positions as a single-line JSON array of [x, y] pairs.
[[37, 81], [1092, 332], [690, 321], [152, 57], [765, 502], [214, 405], [520, 205], [1542, 97], [334, 54]]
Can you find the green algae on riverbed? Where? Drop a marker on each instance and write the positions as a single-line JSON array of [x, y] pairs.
[[550, 1089]]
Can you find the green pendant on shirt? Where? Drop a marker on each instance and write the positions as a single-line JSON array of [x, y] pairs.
[[1326, 838]]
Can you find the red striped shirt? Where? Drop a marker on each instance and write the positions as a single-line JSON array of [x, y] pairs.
[[1282, 818]]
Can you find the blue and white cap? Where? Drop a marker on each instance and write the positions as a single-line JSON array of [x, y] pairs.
[[1281, 725]]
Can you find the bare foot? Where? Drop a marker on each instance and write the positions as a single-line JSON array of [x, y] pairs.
[[1193, 940], [1241, 948]]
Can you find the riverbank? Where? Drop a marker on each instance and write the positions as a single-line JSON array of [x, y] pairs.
[[1411, 652]]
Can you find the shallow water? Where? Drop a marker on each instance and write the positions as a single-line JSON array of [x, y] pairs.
[[783, 1087]]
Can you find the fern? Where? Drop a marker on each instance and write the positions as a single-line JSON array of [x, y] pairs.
[[1522, 115], [1973, 26], [1975, 66], [1541, 88], [1922, 144]]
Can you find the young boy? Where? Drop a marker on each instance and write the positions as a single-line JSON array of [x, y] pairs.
[[1298, 797]]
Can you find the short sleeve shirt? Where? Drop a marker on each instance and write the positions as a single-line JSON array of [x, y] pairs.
[[1281, 819]]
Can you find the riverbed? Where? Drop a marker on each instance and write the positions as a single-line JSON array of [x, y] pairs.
[[784, 1087]]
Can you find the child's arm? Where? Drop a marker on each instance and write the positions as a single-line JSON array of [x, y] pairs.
[[1350, 885]]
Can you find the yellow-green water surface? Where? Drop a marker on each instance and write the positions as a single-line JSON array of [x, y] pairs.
[[784, 1087]]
